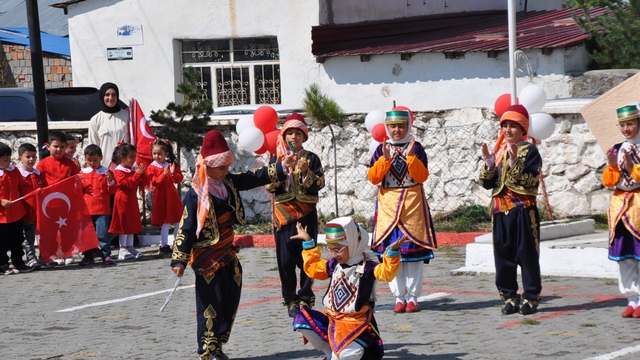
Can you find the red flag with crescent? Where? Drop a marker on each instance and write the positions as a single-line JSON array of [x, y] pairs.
[[141, 134], [64, 222]]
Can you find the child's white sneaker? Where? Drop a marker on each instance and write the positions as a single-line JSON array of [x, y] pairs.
[[124, 254], [68, 261]]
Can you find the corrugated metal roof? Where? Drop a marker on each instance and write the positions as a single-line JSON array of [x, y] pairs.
[[13, 13], [460, 32], [50, 43]]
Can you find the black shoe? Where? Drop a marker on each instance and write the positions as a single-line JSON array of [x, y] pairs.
[[22, 269], [220, 356], [528, 308], [165, 250], [510, 307], [293, 309]]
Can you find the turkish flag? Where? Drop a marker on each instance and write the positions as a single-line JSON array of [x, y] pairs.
[[64, 223], [141, 134]]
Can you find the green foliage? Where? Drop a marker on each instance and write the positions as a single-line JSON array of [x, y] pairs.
[[466, 218], [192, 116], [614, 36], [324, 110], [579, 4]]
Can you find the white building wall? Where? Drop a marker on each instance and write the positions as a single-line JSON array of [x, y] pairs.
[[426, 82], [350, 11]]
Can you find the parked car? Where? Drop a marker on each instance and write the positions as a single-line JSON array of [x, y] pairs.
[[63, 104], [249, 109]]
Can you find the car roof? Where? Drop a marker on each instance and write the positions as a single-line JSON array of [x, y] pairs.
[[251, 108]]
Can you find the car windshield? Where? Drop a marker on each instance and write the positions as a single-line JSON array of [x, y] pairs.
[[14, 108], [73, 105]]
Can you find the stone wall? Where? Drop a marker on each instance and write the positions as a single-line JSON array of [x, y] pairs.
[[572, 163], [15, 68]]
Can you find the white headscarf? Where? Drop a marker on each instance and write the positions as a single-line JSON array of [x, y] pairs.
[[394, 116], [357, 238]]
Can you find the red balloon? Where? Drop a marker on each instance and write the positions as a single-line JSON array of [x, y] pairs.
[[262, 150], [413, 117], [271, 141], [265, 118], [502, 103], [379, 133]]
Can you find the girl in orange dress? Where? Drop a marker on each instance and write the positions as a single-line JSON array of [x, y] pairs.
[[166, 208], [125, 220]]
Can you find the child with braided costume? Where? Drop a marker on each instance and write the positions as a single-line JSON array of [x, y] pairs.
[[623, 173], [512, 172], [399, 166], [347, 329], [294, 201], [205, 240]]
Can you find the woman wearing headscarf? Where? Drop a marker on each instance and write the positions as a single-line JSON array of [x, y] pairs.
[[110, 126]]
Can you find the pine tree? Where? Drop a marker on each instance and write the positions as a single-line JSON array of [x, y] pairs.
[[190, 118], [325, 112], [614, 35]]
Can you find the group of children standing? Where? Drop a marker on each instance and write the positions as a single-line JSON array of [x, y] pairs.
[[101, 187]]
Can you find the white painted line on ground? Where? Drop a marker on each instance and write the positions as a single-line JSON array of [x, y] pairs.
[[123, 299], [433, 296], [615, 354]]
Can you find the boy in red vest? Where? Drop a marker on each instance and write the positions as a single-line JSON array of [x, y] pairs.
[[11, 214], [32, 179], [97, 186]]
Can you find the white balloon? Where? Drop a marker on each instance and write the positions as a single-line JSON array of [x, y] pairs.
[[373, 118], [532, 97], [251, 139], [373, 145], [541, 125], [244, 122]]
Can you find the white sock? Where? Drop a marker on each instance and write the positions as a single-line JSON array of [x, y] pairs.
[[129, 240], [413, 299], [122, 238], [164, 234], [634, 304], [400, 300]]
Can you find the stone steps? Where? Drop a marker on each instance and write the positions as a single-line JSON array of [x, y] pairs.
[[566, 249]]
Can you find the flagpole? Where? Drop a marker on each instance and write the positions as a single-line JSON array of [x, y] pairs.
[[511, 11]]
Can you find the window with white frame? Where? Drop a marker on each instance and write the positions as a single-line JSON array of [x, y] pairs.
[[236, 71]]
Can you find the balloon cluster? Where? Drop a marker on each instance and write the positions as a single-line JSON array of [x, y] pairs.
[[374, 122], [533, 98], [258, 133]]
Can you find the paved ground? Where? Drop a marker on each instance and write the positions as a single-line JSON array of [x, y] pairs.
[[460, 317]]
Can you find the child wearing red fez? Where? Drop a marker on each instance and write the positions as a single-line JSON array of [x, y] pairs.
[[623, 174], [400, 167], [295, 201], [205, 239], [512, 172]]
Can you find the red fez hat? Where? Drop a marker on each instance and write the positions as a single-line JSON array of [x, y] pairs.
[[295, 121], [213, 143]]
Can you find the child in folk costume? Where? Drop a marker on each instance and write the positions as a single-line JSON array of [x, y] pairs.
[[400, 167], [512, 172], [98, 183], [125, 219], [166, 208], [33, 179], [347, 330], [623, 173], [205, 240], [295, 201]]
